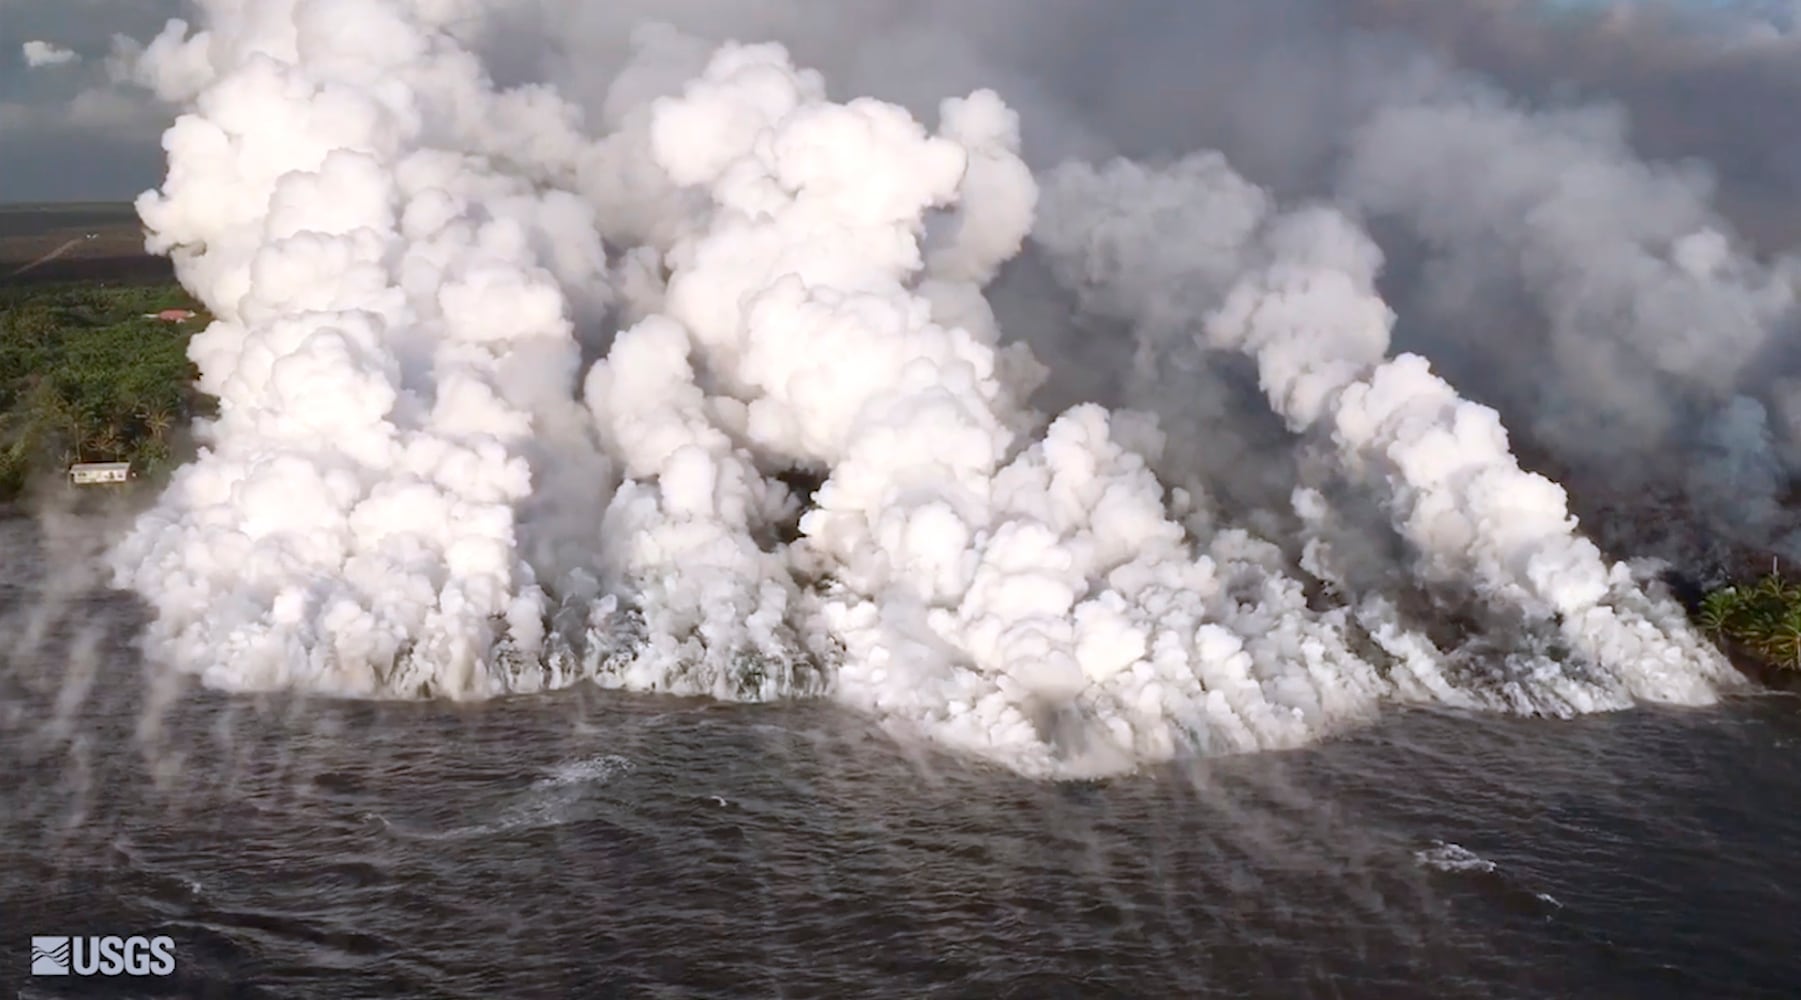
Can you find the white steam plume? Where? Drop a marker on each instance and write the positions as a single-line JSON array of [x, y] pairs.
[[1656, 319], [1307, 312], [806, 464], [392, 356], [1027, 599]]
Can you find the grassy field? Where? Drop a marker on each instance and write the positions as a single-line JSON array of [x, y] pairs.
[[81, 241]]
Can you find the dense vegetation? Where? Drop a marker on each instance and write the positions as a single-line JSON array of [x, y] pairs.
[[1763, 619], [86, 377]]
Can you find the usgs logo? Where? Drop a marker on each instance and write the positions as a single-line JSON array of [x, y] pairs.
[[102, 956]]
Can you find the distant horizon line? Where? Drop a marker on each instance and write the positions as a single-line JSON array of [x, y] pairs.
[[14, 206]]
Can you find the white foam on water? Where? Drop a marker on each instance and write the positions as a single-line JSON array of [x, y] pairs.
[[591, 770], [1453, 858], [561, 796]]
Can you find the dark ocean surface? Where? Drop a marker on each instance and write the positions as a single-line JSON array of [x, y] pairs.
[[592, 844]]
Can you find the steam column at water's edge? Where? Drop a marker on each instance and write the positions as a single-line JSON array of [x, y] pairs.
[[388, 339], [806, 465]]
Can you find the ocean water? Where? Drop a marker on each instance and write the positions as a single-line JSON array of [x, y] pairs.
[[594, 844]]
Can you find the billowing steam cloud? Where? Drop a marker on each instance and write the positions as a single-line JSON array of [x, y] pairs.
[[393, 357], [1654, 316], [1308, 314], [714, 403]]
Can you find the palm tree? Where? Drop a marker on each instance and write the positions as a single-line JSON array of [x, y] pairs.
[[1719, 610], [1772, 588], [1785, 641], [157, 420], [77, 424], [109, 441]]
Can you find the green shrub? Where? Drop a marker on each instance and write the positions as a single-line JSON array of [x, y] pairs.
[[1763, 618]]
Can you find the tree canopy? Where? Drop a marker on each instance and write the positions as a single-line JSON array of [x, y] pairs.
[[86, 376]]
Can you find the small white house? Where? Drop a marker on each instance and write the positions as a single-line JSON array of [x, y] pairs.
[[90, 473]]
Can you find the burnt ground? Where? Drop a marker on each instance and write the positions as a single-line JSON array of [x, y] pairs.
[[115, 253]]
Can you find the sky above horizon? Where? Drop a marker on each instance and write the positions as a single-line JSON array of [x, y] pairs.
[[69, 130]]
